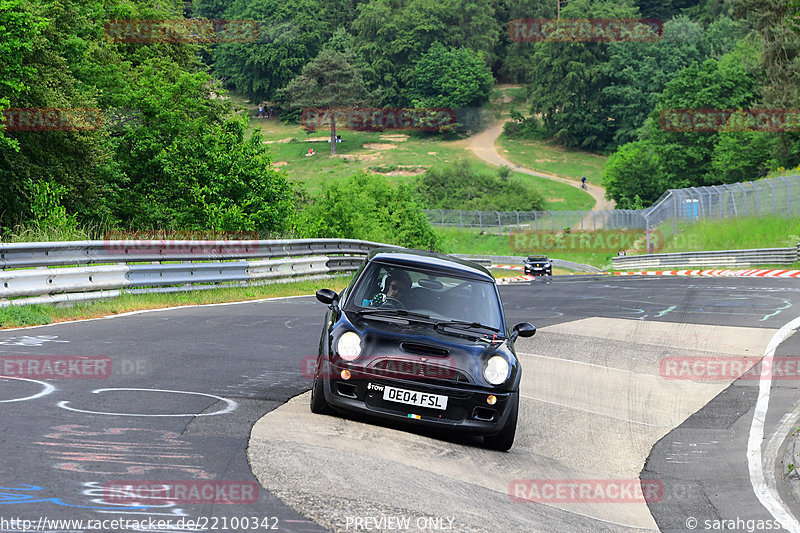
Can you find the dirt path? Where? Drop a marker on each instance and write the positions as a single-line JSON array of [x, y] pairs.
[[483, 146]]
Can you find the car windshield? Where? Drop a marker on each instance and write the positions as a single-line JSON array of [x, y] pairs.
[[438, 296], [537, 258]]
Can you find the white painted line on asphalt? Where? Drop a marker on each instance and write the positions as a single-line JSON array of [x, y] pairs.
[[596, 413], [766, 494], [581, 363], [231, 405], [46, 389]]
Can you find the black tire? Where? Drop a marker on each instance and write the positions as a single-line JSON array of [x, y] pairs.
[[319, 405], [505, 439]]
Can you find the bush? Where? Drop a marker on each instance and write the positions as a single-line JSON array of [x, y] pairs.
[[368, 207], [459, 186], [522, 127]]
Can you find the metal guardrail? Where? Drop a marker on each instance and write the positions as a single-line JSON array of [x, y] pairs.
[[732, 258], [40, 272], [36, 254], [34, 273]]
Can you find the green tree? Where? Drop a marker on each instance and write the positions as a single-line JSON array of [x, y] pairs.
[[19, 27], [780, 49], [179, 157], [451, 78], [60, 49], [743, 156], [568, 79], [367, 206], [632, 173], [729, 83], [391, 37], [291, 34], [794, 15], [518, 56], [210, 9], [187, 163], [329, 81]]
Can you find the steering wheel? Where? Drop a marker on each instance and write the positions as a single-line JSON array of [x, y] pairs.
[[391, 303]]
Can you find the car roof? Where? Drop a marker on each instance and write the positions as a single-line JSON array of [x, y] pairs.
[[430, 261], [536, 257]]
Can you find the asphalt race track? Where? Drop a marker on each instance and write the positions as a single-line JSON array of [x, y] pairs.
[[217, 396]]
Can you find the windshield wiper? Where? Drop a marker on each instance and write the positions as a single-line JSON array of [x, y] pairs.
[[401, 312], [460, 324]]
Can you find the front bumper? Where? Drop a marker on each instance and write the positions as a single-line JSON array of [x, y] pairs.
[[467, 409], [538, 271]]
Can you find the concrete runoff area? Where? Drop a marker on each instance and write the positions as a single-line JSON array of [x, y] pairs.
[[593, 404]]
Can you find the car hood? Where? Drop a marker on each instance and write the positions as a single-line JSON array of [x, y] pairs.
[[417, 347]]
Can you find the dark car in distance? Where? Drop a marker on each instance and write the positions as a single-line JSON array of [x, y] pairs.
[[537, 265], [420, 338]]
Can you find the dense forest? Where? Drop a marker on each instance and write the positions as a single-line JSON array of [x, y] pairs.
[[172, 152]]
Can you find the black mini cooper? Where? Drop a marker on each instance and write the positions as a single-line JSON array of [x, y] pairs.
[[421, 337]]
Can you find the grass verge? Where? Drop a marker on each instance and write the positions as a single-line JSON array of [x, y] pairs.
[[32, 315], [474, 242], [547, 157], [731, 234]]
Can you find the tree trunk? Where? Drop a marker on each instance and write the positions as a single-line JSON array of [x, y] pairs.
[[333, 133]]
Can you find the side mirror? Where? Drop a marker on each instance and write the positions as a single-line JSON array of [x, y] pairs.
[[523, 329], [327, 296]]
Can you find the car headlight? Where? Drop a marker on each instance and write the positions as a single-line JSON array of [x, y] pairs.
[[496, 370], [349, 346]]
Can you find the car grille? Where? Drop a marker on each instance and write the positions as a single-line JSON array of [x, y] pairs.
[[423, 349], [417, 371]]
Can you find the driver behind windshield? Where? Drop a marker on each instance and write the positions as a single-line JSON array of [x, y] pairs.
[[396, 287]]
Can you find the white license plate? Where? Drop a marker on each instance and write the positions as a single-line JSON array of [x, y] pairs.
[[420, 399]]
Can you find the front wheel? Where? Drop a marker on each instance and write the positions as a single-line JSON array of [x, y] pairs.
[[505, 439], [318, 403]]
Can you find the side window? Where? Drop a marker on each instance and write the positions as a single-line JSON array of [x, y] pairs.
[[371, 285]]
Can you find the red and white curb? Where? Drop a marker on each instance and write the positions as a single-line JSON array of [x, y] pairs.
[[751, 273], [504, 280], [508, 267]]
